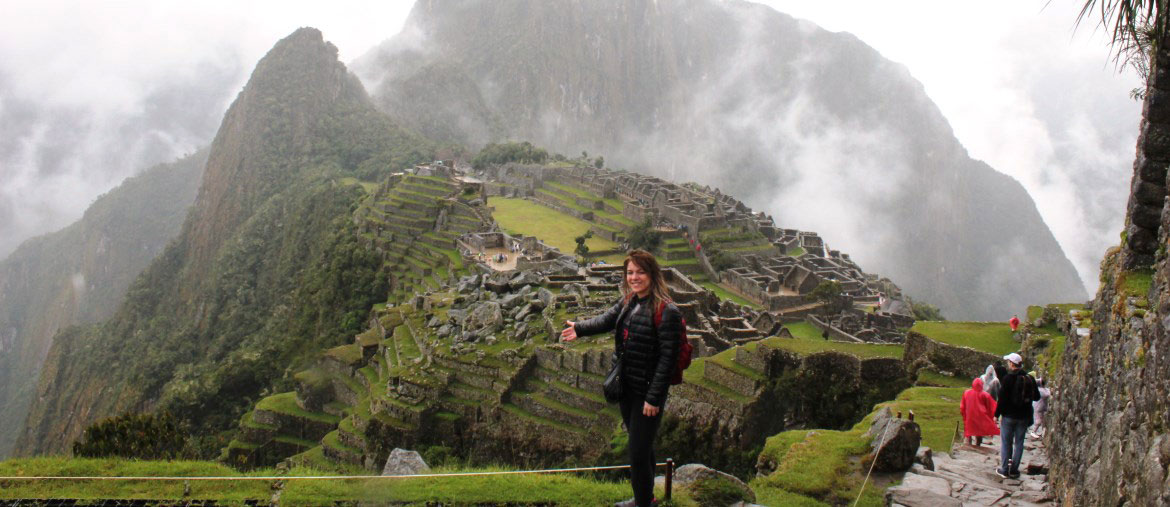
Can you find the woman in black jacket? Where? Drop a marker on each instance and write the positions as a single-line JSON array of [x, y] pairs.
[[649, 353]]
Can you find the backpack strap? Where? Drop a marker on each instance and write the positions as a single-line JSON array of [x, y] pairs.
[[658, 314]]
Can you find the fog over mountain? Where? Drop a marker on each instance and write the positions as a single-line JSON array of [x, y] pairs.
[[93, 93]]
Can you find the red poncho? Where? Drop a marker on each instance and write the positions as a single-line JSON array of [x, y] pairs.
[[977, 409]]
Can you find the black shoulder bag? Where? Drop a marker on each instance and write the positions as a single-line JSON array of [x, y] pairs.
[[612, 387]]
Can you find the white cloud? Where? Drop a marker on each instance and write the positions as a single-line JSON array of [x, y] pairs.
[[1024, 92]]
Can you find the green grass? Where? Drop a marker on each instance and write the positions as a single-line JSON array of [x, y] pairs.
[[1136, 283], [286, 403], [824, 465], [726, 359], [1034, 312], [795, 252], [936, 410], [992, 337], [806, 339], [935, 379], [616, 204], [573, 190], [725, 294], [861, 350], [524, 217], [559, 489], [349, 353], [816, 465], [407, 347], [804, 331]]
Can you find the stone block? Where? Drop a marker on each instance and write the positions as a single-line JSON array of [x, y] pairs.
[[1146, 216], [925, 457], [1151, 170], [404, 462], [896, 446], [1154, 140], [922, 491]]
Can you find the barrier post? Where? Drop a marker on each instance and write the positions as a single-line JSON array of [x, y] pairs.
[[669, 475]]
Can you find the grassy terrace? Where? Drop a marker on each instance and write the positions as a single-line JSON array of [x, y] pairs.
[[934, 379], [524, 217], [544, 489], [992, 337], [696, 374], [803, 345], [816, 466], [286, 403], [571, 203], [723, 293]]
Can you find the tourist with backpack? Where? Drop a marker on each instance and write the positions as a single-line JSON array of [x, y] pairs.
[[1014, 408], [649, 338]]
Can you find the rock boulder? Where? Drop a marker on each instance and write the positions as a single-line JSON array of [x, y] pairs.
[[404, 462]]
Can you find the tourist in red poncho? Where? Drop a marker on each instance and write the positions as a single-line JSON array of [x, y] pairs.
[[977, 409]]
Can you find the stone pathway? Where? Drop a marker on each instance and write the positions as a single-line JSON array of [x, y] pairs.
[[967, 478]]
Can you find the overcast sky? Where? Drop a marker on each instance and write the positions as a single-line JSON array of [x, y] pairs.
[[1022, 90]]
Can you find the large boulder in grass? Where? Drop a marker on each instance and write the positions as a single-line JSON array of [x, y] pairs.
[[404, 462], [712, 487], [896, 445]]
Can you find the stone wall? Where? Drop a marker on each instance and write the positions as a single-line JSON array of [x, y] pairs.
[[962, 361], [1110, 443]]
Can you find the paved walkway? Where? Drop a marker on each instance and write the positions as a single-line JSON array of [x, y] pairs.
[[967, 478]]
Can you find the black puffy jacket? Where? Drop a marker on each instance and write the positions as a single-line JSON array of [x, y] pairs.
[[650, 355]]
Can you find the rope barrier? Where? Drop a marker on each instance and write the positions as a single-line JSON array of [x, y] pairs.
[[874, 462], [318, 477]]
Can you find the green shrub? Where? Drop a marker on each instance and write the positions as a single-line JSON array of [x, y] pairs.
[[137, 436]]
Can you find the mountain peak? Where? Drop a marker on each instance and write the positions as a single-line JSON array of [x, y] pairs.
[[265, 137]]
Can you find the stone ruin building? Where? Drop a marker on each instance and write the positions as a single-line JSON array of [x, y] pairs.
[[774, 267]]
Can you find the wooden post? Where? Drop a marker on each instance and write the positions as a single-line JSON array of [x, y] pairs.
[[669, 476]]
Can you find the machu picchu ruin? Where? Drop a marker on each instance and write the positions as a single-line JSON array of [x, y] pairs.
[[465, 351]]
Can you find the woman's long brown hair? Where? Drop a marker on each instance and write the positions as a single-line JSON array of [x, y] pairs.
[[646, 261]]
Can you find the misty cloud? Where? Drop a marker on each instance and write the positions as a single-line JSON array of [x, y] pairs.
[[94, 92]]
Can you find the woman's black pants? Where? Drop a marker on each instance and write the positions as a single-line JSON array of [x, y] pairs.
[[641, 431]]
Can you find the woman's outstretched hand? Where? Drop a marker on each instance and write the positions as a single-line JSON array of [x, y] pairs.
[[570, 332], [649, 410]]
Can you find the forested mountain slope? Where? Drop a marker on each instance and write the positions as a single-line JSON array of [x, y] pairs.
[[79, 274], [266, 262]]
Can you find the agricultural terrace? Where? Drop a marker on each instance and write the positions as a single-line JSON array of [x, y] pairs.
[[527, 218], [992, 337], [806, 339]]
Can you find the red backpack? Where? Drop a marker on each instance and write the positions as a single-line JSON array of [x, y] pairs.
[[684, 346]]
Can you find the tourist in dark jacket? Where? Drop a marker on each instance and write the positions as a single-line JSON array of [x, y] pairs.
[[649, 353], [1014, 408]]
